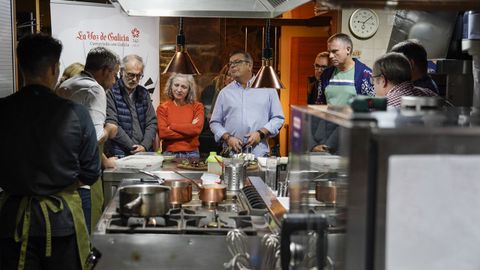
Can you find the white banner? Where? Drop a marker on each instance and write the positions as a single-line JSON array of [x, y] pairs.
[[83, 26]]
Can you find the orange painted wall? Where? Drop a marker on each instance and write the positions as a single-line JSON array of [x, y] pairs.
[[300, 57]]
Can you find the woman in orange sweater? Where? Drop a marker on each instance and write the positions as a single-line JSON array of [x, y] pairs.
[[180, 119]]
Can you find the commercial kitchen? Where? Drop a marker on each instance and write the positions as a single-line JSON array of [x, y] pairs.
[[402, 191]]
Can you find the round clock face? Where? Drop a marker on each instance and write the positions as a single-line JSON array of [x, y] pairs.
[[363, 23]]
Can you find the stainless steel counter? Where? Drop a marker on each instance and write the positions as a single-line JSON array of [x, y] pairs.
[[162, 251], [113, 177], [165, 251]]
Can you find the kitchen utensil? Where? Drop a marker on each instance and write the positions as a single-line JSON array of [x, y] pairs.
[[271, 173], [240, 262], [237, 246], [145, 200], [236, 242], [283, 188], [209, 193], [271, 244], [154, 176], [181, 191], [234, 174], [219, 162], [330, 192]]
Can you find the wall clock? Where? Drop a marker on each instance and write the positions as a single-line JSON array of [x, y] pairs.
[[363, 23]]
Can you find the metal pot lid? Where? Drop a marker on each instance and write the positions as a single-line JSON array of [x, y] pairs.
[[144, 188]]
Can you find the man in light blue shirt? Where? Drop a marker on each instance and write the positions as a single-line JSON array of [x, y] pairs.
[[245, 116]]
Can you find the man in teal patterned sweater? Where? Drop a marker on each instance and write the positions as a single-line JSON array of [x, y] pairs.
[[346, 78]]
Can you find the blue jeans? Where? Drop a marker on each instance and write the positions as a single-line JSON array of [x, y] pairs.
[[190, 154], [86, 205]]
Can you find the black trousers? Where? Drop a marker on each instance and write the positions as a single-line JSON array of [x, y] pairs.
[[64, 254]]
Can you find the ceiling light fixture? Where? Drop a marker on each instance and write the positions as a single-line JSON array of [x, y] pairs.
[[266, 76], [181, 61]]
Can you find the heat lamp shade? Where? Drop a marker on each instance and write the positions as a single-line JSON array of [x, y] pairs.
[[267, 78], [181, 62]]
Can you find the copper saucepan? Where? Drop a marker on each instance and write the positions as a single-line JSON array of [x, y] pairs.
[[181, 191], [209, 193], [212, 193], [330, 192]]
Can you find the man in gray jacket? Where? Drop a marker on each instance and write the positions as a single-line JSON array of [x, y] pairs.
[[129, 106]]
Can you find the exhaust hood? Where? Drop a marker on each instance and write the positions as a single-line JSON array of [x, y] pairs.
[[210, 8], [450, 5]]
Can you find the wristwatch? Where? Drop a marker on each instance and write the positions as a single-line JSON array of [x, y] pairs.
[[262, 135]]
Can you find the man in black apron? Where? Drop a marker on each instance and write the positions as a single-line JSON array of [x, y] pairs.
[[49, 148]]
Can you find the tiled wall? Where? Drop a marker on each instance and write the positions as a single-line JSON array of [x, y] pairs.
[[370, 49]]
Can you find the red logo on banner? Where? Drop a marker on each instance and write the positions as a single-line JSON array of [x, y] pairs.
[[135, 32]]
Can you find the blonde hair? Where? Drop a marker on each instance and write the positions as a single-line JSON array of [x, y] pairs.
[[71, 71], [192, 87]]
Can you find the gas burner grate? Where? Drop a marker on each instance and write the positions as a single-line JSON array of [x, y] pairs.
[[199, 220]]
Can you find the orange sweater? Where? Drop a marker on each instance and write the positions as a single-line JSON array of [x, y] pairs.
[[175, 126]]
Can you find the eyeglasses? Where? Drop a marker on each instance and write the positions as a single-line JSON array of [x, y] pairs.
[[319, 67], [373, 77], [133, 75], [238, 62]]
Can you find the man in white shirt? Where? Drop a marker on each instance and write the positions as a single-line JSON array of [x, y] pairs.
[[88, 88]]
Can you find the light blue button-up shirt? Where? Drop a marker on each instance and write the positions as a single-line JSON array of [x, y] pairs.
[[240, 111]]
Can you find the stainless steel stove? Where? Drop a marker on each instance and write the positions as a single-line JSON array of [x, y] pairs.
[[190, 236], [240, 210]]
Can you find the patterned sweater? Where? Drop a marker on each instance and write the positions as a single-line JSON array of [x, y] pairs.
[[394, 96], [362, 81]]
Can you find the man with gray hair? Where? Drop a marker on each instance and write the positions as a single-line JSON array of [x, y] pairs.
[[347, 77], [129, 106], [344, 79], [88, 88], [392, 78]]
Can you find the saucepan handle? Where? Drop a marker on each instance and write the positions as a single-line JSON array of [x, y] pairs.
[[154, 176], [136, 202]]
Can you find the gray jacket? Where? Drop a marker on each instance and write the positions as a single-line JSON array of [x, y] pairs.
[[143, 137]]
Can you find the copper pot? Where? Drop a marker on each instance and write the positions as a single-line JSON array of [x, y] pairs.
[[330, 192], [212, 193], [181, 191], [209, 193]]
